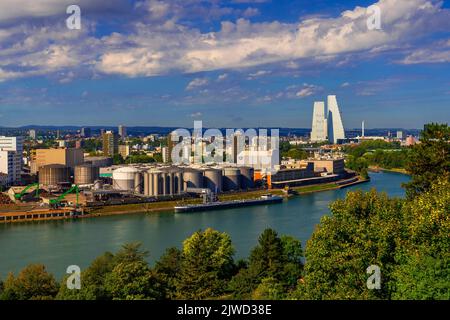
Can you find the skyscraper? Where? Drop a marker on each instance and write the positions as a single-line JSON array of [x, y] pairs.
[[110, 144], [32, 134], [334, 121], [122, 131], [86, 132], [319, 123]]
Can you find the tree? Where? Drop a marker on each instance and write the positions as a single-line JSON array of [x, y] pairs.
[[293, 261], [269, 289], [364, 229], [92, 281], [32, 283], [132, 281], [131, 252], [206, 265], [167, 270], [117, 159], [429, 159]]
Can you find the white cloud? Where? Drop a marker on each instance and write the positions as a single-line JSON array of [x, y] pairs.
[[345, 84], [196, 115], [222, 77], [258, 74], [196, 83], [308, 90], [156, 48]]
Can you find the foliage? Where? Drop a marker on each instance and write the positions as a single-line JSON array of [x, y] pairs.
[[32, 283], [429, 159], [167, 271], [206, 265]]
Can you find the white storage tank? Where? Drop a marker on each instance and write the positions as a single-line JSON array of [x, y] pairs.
[[213, 179], [125, 178]]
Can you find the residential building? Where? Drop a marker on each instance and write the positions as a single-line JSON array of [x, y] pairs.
[[110, 144], [122, 132], [15, 146]]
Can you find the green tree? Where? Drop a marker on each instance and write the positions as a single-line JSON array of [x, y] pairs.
[[206, 266], [269, 289], [429, 159], [132, 281], [363, 230], [32, 283], [117, 159], [131, 252], [167, 270], [92, 281]]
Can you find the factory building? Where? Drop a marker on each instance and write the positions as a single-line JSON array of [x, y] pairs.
[[101, 162], [69, 157]]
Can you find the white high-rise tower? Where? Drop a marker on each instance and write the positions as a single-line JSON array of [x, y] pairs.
[[319, 123], [335, 126]]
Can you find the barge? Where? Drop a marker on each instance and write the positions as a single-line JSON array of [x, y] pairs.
[[265, 199]]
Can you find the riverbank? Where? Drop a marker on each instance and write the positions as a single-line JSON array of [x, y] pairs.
[[168, 206], [394, 170]]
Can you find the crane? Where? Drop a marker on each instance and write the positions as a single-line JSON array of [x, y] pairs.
[[56, 201], [24, 191]]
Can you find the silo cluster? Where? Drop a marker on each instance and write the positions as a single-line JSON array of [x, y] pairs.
[[247, 177], [163, 182], [193, 178], [54, 174]]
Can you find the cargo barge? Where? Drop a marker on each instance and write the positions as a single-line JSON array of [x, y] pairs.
[[265, 199]]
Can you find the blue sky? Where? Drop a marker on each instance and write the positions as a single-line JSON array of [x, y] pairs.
[[239, 63]]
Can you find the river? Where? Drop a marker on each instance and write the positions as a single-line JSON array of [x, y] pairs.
[[58, 244]]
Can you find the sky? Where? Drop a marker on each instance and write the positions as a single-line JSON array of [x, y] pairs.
[[236, 63]]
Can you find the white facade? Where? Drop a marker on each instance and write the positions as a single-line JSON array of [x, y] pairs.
[[335, 126], [122, 131], [15, 147], [7, 167], [319, 123]]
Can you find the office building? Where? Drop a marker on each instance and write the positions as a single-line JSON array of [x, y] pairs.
[[123, 132], [327, 124], [400, 135], [14, 146], [334, 121], [68, 157], [110, 144], [319, 124], [165, 154], [7, 167]]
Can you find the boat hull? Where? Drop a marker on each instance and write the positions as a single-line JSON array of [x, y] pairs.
[[226, 205]]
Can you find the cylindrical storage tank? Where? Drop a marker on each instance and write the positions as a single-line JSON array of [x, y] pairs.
[[146, 188], [231, 179], [125, 179], [54, 174], [247, 177], [213, 179], [138, 180], [193, 178], [86, 174]]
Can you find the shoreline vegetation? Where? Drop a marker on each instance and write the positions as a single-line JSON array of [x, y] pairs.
[[168, 206], [394, 170]]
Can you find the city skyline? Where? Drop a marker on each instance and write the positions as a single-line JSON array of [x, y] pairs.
[[250, 64]]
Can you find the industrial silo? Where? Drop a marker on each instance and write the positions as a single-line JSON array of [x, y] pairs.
[[125, 179], [86, 174], [247, 179], [193, 178], [54, 174], [231, 179], [213, 179]]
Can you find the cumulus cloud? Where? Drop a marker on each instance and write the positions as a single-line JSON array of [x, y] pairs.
[[157, 43], [437, 53], [308, 90], [197, 83]]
